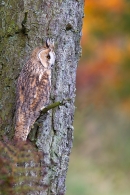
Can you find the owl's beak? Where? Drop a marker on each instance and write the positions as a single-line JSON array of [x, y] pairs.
[[52, 65]]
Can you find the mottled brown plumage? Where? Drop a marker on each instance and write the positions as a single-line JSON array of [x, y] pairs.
[[33, 89]]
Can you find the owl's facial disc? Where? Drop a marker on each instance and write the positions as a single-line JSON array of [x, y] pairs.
[[47, 58], [42, 58]]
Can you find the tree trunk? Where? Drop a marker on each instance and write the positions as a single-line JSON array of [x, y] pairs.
[[24, 24]]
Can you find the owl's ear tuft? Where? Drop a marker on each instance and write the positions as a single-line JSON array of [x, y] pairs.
[[49, 43]]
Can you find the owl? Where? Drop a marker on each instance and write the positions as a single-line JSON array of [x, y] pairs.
[[33, 89]]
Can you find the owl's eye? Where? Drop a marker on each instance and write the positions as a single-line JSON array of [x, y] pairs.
[[48, 56]]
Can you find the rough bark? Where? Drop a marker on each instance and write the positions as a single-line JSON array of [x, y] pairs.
[[19, 35]]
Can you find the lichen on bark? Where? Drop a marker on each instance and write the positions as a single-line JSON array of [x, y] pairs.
[[62, 21]]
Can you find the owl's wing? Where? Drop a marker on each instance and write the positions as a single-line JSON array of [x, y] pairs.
[[32, 94]]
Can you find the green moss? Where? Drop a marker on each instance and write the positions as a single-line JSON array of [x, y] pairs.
[[12, 29], [11, 47]]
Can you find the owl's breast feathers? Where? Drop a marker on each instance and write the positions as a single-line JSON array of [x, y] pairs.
[[32, 94]]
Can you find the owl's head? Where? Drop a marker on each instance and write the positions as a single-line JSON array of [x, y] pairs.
[[46, 54]]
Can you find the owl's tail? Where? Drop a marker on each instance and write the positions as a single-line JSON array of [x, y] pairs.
[[21, 132], [23, 123]]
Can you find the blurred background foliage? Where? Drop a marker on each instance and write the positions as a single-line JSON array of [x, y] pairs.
[[100, 158]]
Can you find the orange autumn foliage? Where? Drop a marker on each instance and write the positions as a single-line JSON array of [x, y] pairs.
[[106, 46]]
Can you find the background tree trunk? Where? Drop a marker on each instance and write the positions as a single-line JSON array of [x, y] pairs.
[[19, 35]]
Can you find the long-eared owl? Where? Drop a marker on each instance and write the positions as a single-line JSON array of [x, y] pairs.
[[33, 89]]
